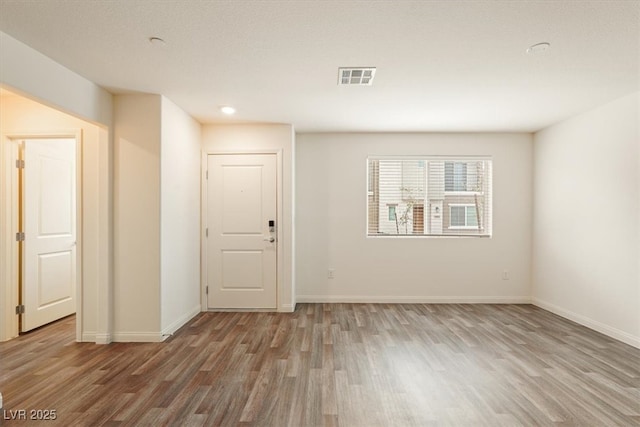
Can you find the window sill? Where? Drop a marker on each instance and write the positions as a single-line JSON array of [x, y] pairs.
[[463, 193], [427, 236]]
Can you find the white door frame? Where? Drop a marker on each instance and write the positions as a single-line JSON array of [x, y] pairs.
[[279, 222], [9, 206]]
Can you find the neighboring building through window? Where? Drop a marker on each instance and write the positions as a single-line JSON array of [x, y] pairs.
[[429, 196]]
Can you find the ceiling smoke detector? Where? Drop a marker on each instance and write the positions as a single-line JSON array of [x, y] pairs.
[[356, 76]]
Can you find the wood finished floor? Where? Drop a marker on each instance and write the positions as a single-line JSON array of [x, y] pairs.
[[333, 365]]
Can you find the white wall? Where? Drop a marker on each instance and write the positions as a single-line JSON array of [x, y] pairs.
[[29, 72], [331, 225], [137, 135], [586, 252], [179, 217], [246, 138], [156, 218]]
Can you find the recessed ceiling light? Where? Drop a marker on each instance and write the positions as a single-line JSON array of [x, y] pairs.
[[157, 41], [538, 48], [228, 110]]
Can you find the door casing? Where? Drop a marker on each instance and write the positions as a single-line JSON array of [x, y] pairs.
[[10, 250], [279, 221]]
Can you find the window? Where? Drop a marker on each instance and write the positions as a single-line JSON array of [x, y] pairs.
[[392, 213], [463, 216], [429, 196], [461, 176], [455, 176]]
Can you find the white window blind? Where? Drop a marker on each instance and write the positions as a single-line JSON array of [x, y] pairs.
[[429, 196]]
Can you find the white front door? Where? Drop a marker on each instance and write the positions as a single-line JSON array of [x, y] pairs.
[[49, 215], [241, 248]]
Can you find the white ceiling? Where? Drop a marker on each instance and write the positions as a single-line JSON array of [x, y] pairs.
[[441, 65]]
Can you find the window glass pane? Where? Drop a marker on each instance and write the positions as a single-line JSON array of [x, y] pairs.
[[373, 175], [473, 175], [392, 213], [472, 218], [455, 176], [457, 216], [413, 178], [448, 176], [459, 176]]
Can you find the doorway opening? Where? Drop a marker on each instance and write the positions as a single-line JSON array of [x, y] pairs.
[[31, 132]]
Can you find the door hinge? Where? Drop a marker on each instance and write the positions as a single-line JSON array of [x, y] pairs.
[[206, 175], [19, 309], [206, 290], [206, 232], [20, 164], [20, 236]]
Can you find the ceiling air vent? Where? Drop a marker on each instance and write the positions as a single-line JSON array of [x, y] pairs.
[[361, 76]]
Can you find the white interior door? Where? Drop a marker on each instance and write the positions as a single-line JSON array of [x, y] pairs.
[[241, 248], [49, 215]]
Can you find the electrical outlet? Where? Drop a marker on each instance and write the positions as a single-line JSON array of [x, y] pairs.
[[331, 273], [505, 275]]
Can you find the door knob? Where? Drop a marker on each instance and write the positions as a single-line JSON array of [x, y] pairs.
[[270, 239]]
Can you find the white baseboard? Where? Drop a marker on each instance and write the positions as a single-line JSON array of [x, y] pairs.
[[411, 299], [287, 308], [95, 337], [138, 337], [103, 338], [181, 321], [88, 337], [607, 330]]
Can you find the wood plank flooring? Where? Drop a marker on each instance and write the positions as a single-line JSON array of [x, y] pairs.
[[333, 365]]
